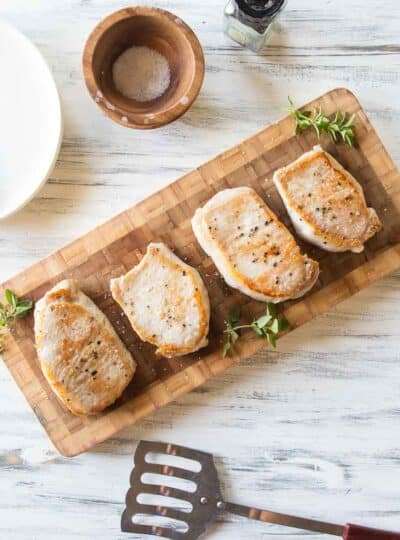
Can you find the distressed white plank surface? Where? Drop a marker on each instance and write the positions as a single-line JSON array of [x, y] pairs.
[[312, 429]]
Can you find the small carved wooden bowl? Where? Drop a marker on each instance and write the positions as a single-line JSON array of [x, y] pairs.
[[159, 30]]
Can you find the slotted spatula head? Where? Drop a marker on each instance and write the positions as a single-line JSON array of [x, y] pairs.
[[206, 500], [202, 503]]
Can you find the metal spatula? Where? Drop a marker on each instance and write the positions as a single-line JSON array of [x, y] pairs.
[[207, 501]]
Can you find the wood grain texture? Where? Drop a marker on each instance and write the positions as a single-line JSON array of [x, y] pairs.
[[311, 429], [113, 248], [151, 27]]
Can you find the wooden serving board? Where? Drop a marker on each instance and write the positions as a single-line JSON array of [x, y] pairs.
[[113, 248]]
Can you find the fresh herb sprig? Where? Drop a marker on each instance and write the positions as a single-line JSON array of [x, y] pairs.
[[340, 126], [15, 308], [268, 326]]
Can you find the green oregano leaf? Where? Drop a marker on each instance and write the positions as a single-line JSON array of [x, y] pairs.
[[15, 308], [341, 124], [267, 326], [234, 315]]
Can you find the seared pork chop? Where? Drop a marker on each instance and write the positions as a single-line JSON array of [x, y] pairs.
[[81, 356], [166, 302], [252, 249], [326, 203]]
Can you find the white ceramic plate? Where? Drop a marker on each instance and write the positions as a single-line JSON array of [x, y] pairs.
[[30, 120]]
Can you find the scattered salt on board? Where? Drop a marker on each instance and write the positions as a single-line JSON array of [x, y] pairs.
[[141, 73]]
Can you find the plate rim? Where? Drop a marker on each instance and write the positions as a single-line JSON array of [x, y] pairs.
[[55, 155]]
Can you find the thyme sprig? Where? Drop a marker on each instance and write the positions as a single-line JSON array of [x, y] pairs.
[[340, 126], [268, 326], [15, 308]]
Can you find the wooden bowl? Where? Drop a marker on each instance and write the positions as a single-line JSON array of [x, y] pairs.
[[159, 30]]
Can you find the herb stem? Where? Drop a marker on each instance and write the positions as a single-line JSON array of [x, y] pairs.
[[341, 124], [242, 326], [268, 326]]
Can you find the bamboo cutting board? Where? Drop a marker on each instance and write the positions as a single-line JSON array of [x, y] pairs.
[[113, 248]]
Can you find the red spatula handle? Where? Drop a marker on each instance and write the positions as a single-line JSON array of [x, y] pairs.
[[356, 532]]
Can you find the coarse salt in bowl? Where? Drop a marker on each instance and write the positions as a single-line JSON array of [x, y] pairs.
[[143, 67], [141, 73]]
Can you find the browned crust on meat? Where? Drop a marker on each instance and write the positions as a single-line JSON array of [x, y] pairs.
[[80, 356], [290, 251], [341, 178], [165, 348]]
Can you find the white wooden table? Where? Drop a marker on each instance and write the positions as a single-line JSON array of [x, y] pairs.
[[312, 429]]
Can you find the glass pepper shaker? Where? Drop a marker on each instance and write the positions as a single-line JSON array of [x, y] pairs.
[[249, 22]]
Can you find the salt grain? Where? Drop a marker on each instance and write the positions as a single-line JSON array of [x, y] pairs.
[[141, 73]]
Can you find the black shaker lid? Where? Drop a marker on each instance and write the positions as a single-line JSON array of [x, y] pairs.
[[259, 8]]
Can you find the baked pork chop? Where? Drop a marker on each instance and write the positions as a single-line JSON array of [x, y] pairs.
[[252, 249], [81, 356], [166, 302], [326, 203]]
